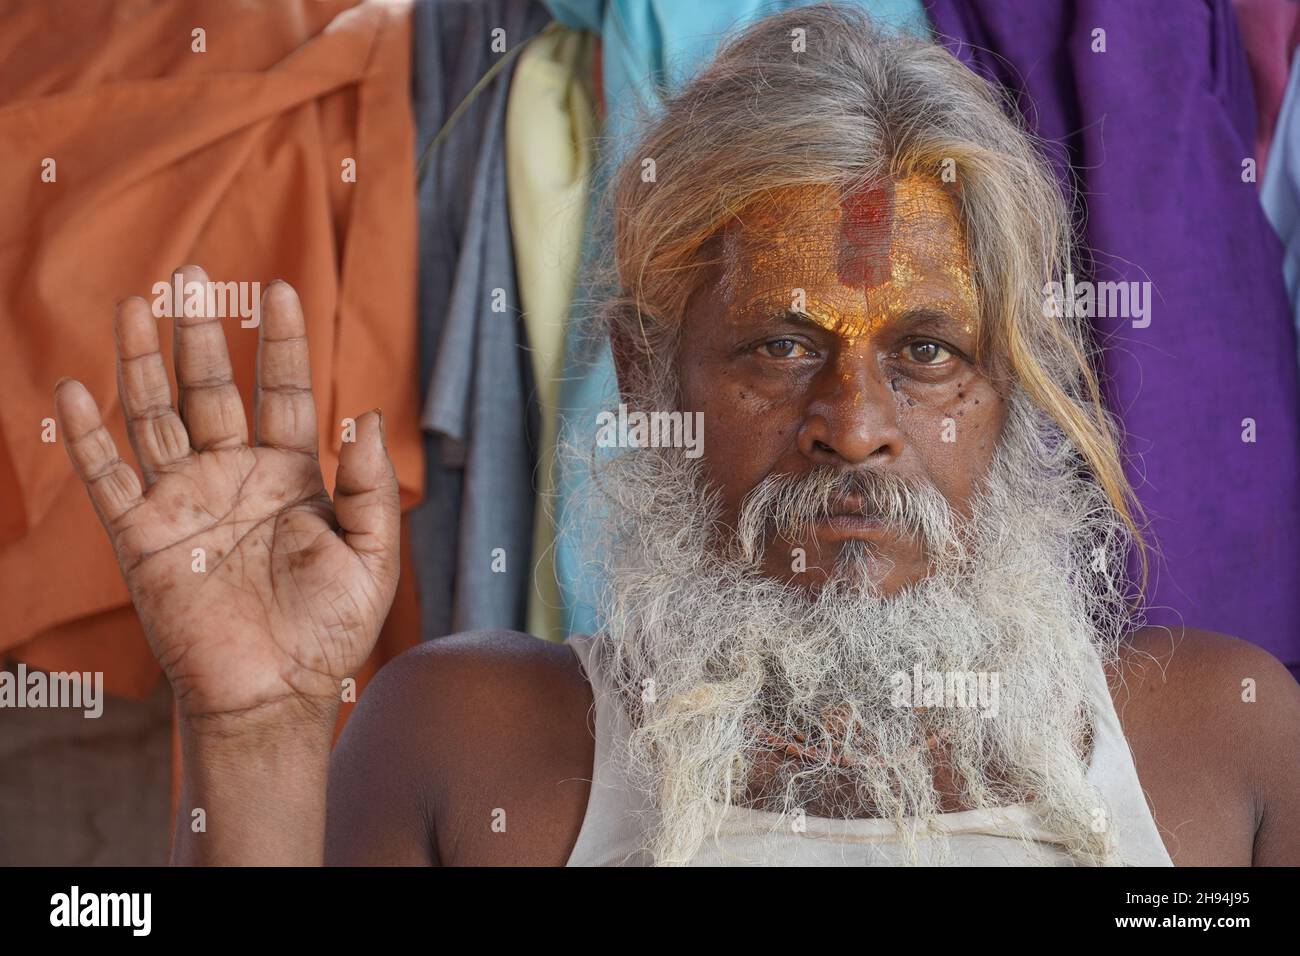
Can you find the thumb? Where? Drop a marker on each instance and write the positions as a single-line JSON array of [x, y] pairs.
[[366, 501]]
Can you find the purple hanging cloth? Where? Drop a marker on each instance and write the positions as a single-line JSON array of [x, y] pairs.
[[1151, 104]]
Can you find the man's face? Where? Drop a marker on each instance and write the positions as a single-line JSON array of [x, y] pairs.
[[840, 334]]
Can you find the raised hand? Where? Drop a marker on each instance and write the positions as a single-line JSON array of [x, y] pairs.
[[296, 587]]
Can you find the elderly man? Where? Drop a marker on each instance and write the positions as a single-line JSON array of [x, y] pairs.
[[883, 618]]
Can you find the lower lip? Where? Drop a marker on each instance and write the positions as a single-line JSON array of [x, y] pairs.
[[854, 526]]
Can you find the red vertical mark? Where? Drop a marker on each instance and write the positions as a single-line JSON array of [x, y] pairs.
[[866, 235]]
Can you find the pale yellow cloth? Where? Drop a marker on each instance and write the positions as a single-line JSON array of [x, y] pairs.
[[550, 130]]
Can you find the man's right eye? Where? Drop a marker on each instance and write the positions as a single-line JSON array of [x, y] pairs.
[[785, 348]]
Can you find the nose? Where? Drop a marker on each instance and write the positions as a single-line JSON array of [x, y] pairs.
[[851, 417]]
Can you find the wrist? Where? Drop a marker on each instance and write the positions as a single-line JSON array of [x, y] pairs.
[[275, 725], [260, 786]]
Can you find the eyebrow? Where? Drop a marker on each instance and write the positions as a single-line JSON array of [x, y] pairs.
[[795, 317], [920, 317], [925, 316]]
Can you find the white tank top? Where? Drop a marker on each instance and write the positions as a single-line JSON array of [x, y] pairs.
[[613, 831]]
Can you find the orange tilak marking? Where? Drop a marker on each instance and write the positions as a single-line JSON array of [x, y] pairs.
[[856, 259]]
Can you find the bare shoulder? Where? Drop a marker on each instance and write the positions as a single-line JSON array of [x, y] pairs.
[[1207, 675], [1214, 725], [471, 749]]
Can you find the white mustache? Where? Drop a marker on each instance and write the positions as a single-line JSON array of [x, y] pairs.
[[790, 505]]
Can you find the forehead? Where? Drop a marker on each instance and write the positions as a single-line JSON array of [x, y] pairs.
[[849, 260]]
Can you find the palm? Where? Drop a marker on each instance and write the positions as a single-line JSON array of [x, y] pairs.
[[251, 589], [252, 554]]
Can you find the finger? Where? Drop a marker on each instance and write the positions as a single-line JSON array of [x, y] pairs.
[[284, 413], [113, 486], [157, 433], [366, 501], [209, 401]]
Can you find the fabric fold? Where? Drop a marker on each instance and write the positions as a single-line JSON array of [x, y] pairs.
[[550, 132], [473, 534]]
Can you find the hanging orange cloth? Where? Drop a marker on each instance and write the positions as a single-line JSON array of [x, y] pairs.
[[262, 139]]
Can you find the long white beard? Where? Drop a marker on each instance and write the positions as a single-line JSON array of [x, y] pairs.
[[706, 655]]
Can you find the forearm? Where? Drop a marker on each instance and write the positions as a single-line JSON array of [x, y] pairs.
[[261, 793]]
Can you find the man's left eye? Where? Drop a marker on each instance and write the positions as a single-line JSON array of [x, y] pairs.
[[928, 353]]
